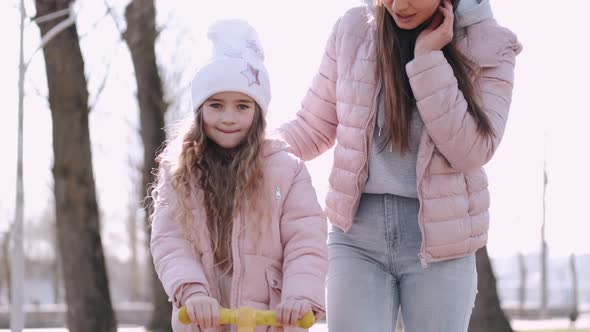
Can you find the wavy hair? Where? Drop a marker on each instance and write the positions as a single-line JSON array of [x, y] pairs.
[[227, 180], [395, 48]]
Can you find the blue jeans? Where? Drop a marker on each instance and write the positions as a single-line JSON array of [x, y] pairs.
[[375, 271]]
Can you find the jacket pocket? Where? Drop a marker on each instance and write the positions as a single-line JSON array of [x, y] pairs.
[[274, 279]]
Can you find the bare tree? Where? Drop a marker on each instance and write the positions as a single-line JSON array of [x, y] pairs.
[[17, 268], [544, 254], [78, 231], [523, 283], [487, 316], [573, 316], [141, 37], [6, 263]]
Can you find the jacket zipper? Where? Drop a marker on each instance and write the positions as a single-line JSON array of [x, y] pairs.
[[238, 270], [366, 142]]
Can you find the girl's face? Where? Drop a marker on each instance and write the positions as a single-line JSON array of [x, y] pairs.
[[227, 118], [409, 14]]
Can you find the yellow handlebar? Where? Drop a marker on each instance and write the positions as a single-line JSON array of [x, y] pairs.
[[249, 317]]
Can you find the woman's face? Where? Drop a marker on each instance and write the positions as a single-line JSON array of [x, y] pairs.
[[409, 14]]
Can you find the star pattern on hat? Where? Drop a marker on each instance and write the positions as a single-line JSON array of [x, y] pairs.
[[253, 45], [251, 74]]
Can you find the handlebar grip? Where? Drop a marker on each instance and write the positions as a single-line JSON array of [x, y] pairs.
[[248, 315]]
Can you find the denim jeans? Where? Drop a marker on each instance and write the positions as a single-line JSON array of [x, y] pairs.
[[375, 273]]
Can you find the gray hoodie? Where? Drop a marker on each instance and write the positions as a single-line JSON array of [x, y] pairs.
[[392, 172]]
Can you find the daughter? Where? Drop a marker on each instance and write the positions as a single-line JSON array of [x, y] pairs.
[[236, 220]]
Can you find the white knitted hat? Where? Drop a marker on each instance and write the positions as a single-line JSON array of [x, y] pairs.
[[237, 64]]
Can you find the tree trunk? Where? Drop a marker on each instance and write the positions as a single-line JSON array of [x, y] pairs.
[[6, 263], [573, 316], [78, 231], [141, 37], [523, 284], [544, 253], [487, 316], [17, 268]]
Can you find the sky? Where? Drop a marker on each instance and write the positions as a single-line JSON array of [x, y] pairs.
[[548, 118]]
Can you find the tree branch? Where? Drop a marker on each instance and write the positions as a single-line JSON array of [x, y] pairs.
[[40, 94], [54, 31], [100, 88], [52, 16], [111, 13]]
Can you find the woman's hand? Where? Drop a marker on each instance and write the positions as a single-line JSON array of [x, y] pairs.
[[290, 311], [439, 32], [203, 310]]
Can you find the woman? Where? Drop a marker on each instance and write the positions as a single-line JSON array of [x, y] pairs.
[[416, 94]]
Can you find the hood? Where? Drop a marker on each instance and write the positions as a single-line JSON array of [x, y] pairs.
[[470, 12]]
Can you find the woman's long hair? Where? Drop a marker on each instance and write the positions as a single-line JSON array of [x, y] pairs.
[[228, 179], [395, 48]]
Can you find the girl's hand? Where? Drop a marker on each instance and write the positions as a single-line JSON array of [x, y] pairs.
[[203, 310], [439, 32], [290, 311]]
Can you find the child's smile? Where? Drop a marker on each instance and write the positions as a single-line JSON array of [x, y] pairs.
[[227, 118]]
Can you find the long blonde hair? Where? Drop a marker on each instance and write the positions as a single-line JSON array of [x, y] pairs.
[[228, 179], [395, 48]]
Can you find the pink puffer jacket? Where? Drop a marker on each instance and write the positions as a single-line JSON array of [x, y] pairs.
[[287, 261], [341, 105]]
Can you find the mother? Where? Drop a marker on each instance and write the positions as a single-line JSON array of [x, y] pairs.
[[415, 94]]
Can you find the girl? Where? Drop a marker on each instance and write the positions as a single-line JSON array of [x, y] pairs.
[[416, 94], [236, 221]]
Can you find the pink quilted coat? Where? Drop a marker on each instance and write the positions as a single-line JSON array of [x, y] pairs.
[[340, 106], [288, 261]]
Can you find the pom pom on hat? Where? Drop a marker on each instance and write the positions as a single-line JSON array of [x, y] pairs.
[[237, 64]]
